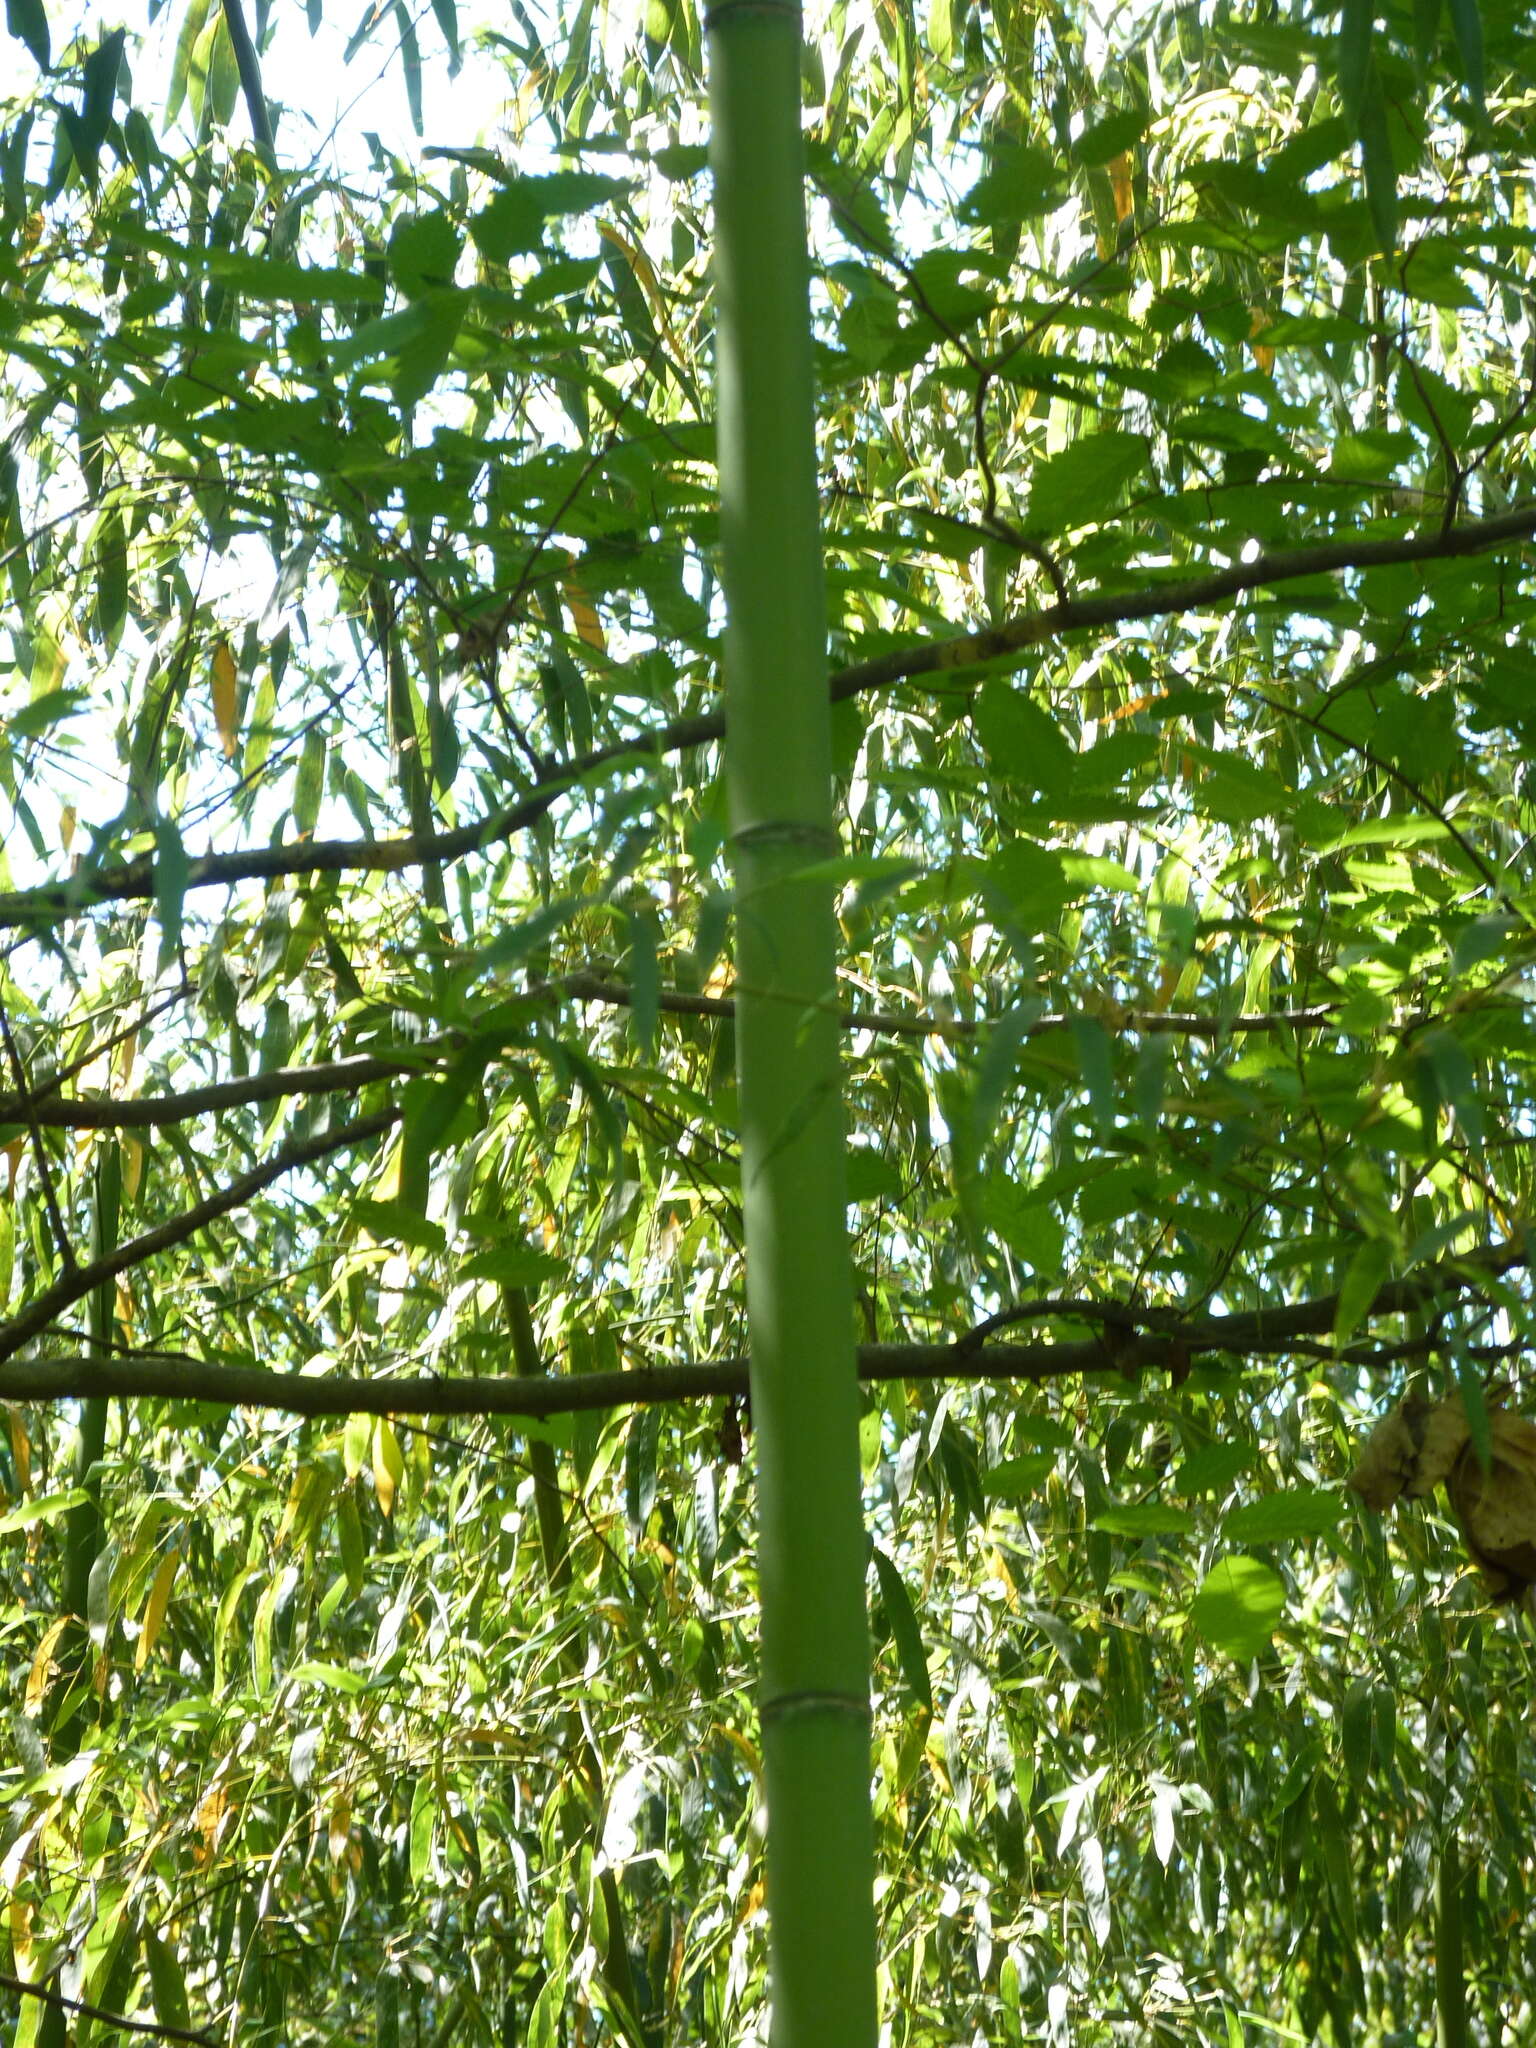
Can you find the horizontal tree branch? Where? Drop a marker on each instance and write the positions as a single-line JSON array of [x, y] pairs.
[[135, 879], [1115, 1017], [1133, 1340], [102, 1113], [80, 1281], [326, 1077]]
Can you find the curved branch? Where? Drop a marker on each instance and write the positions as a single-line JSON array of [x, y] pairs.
[[156, 2029], [78, 1282], [1134, 1340], [135, 880]]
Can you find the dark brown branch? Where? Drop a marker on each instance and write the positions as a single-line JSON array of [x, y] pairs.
[[159, 2032], [1140, 1340], [894, 1024], [134, 880], [1160, 600], [326, 1077], [76, 1284]]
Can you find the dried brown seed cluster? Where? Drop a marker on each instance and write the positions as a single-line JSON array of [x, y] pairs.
[[1422, 1444]]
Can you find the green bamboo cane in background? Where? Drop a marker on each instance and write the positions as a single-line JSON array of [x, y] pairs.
[[811, 1544]]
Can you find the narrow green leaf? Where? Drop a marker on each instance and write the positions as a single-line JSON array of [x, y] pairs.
[[1426, 32], [1469, 1379], [1333, 1842], [27, 20], [644, 978], [167, 1985], [447, 15], [172, 869], [423, 1824], [1095, 1062], [1378, 164], [309, 782], [1357, 1721], [1357, 25], [1467, 27], [46, 1507], [640, 1466], [410, 58], [1368, 1268], [193, 23], [906, 1634]]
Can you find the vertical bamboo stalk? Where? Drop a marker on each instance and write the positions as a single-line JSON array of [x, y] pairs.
[[811, 1544]]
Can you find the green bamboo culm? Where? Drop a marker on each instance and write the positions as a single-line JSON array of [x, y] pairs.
[[805, 1402], [1450, 1950]]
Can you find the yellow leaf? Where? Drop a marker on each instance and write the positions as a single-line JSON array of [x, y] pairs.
[[67, 818], [355, 1439], [209, 1819], [1258, 320], [127, 1053], [388, 1464], [225, 699], [1121, 185], [645, 277], [42, 1663], [21, 1447], [153, 1619], [589, 627], [131, 1147], [21, 1935], [338, 1827]]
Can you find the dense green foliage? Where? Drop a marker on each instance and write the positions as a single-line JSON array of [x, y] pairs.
[[359, 702]]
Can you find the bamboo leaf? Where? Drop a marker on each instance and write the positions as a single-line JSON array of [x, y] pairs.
[[906, 1634], [27, 20]]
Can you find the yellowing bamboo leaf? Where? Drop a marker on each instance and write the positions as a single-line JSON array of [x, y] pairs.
[[338, 1826], [21, 1448], [42, 1664], [354, 1443], [132, 1148], [127, 1052], [1121, 184], [645, 277], [226, 699], [153, 1619], [1258, 320], [589, 627], [209, 1820], [388, 1464], [21, 1934], [67, 819]]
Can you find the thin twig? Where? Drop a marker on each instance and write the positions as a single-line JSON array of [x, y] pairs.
[[76, 1284]]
